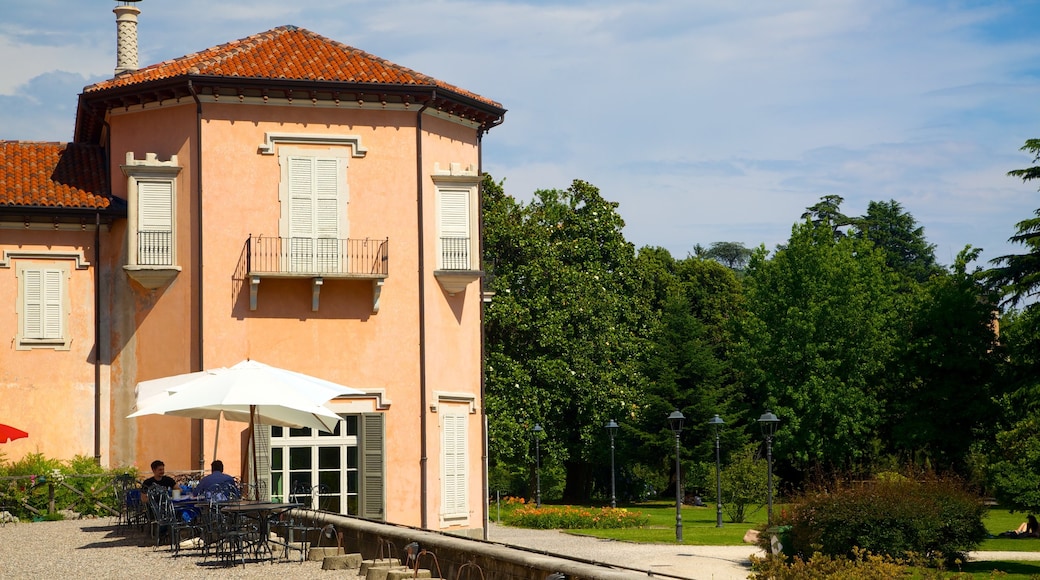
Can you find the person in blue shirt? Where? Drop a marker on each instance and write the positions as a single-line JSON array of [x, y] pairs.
[[216, 480]]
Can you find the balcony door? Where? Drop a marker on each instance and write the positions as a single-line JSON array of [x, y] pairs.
[[317, 198]]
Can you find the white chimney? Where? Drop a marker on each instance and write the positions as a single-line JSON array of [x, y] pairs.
[[126, 36]]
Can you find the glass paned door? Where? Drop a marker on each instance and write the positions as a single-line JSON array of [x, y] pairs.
[[323, 464]]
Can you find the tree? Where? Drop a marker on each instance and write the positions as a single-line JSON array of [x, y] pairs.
[[733, 255], [1014, 459], [827, 213], [818, 336], [946, 399], [744, 483], [896, 233], [685, 362], [564, 328], [1018, 275]]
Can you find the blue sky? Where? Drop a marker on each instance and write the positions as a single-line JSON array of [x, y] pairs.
[[707, 121]]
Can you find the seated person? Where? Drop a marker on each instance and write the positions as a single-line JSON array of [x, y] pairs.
[[216, 481], [158, 478], [1029, 528]]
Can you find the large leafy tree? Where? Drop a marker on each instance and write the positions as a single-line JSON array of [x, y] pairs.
[[1014, 462], [564, 328], [949, 361], [819, 334]]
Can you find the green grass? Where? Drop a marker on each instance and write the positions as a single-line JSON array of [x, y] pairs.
[[1001, 520], [698, 525], [1004, 570]]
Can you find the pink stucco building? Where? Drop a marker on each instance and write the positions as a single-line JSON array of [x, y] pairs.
[[284, 198]]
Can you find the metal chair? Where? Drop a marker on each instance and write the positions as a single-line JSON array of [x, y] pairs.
[[167, 522], [222, 535], [299, 530]]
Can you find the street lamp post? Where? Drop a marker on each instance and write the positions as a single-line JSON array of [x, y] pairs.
[[537, 430], [612, 428], [768, 421], [717, 423], [675, 421]]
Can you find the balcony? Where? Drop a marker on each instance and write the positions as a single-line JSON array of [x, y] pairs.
[[152, 260], [317, 259], [456, 265]]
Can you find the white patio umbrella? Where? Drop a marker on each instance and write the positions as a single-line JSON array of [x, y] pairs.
[[250, 392]]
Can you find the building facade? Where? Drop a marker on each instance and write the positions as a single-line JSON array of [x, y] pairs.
[[283, 198]]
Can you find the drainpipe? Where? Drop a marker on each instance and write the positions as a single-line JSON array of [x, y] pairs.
[[106, 157], [97, 337], [483, 352], [422, 312], [198, 257]]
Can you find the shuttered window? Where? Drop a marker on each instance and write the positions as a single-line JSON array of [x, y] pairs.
[[315, 202], [155, 223], [347, 464], [454, 229], [42, 300], [454, 505]]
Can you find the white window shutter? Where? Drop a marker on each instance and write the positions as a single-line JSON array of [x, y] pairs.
[[301, 197], [455, 213], [155, 206], [455, 473], [32, 303], [327, 196], [53, 307]]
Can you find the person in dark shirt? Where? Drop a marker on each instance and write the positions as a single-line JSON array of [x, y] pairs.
[[158, 478]]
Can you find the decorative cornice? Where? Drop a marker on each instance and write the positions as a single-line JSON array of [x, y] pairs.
[[8, 255]]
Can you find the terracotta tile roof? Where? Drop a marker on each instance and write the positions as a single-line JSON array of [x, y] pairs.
[[52, 175], [286, 53]]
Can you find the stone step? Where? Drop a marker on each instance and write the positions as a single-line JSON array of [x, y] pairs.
[[366, 564], [341, 562], [317, 554], [408, 573], [381, 572]]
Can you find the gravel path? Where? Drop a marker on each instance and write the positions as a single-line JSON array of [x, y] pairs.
[[96, 549]]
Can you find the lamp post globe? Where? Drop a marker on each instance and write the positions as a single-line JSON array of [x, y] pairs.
[[612, 428], [768, 422], [536, 432], [675, 422], [717, 423]]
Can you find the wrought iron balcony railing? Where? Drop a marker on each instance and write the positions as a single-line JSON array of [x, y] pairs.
[[317, 257], [455, 254], [154, 248]]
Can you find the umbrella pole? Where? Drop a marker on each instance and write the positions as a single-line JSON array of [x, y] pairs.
[[216, 438], [252, 442]]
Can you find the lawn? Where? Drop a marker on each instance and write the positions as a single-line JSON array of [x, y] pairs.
[[699, 530]]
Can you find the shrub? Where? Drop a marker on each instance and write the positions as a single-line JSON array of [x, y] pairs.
[[80, 487], [937, 519], [861, 565], [743, 484], [570, 518]]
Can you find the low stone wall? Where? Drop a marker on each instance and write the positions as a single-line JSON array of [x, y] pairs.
[[451, 552]]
